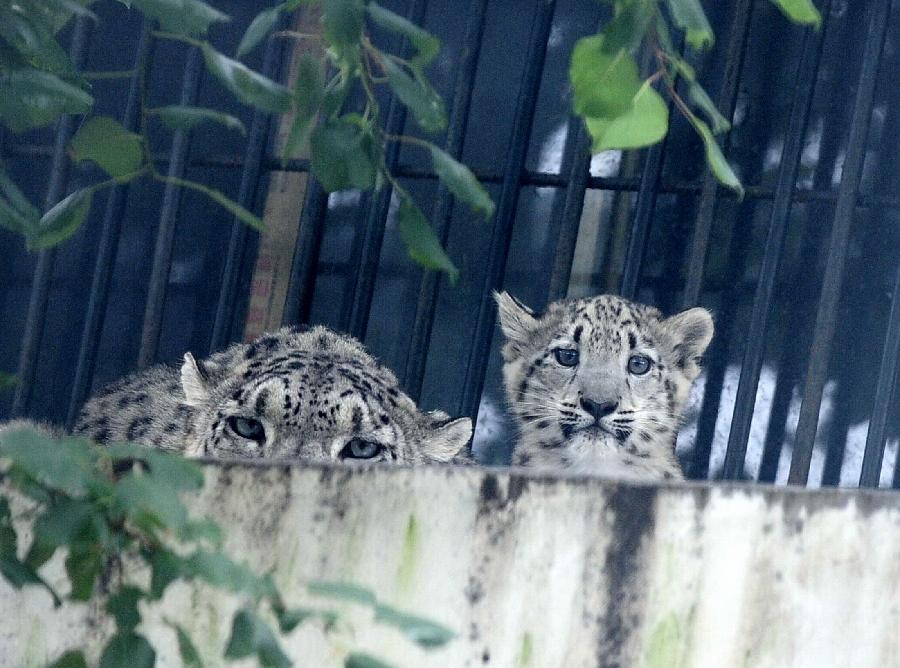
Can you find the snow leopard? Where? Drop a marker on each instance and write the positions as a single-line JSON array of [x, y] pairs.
[[313, 395], [598, 385]]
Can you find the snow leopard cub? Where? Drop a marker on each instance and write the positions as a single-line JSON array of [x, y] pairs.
[[599, 385], [312, 395]]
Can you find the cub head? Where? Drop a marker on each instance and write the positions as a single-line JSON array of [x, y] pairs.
[[315, 396], [600, 382]]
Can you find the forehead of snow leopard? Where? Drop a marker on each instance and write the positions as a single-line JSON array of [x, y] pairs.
[[604, 349], [313, 395]]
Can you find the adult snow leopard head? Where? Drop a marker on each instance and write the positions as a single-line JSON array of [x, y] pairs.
[[600, 384]]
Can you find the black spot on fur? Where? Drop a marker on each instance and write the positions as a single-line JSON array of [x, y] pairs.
[[632, 340], [576, 335]]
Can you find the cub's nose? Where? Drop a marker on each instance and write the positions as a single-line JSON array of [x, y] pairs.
[[598, 410]]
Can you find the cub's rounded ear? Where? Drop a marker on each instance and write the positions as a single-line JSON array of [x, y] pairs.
[[194, 381], [448, 440], [690, 333], [516, 320]]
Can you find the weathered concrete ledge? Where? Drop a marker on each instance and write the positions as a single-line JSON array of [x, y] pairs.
[[535, 571]]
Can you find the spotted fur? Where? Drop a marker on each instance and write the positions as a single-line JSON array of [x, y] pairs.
[[597, 416], [311, 392]]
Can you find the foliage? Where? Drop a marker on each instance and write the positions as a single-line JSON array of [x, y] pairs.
[[101, 506], [624, 111], [347, 142]]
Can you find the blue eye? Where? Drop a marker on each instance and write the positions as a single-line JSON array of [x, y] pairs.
[[247, 428], [566, 356], [358, 448], [638, 365]]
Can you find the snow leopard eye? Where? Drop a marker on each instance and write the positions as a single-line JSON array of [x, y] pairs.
[[638, 364], [247, 428], [358, 448], [566, 356]]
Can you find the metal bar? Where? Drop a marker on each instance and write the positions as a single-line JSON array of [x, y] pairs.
[[643, 216], [778, 222], [579, 175], [355, 319], [165, 236], [250, 175], [107, 246], [529, 178], [817, 367], [36, 318], [301, 287], [417, 353], [885, 387], [725, 102], [501, 234]]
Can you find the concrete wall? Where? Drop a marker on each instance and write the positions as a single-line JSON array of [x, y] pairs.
[[535, 571]]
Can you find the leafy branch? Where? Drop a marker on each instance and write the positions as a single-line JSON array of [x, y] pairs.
[[105, 506], [624, 111]]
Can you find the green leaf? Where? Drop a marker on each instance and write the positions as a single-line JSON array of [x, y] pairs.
[[690, 17], [363, 660], [14, 571], [74, 658], [343, 21], [66, 466], [248, 86], [309, 92], [701, 99], [603, 82], [32, 37], [62, 221], [32, 99], [256, 32], [175, 471], [68, 522], [461, 182], [800, 11], [83, 565], [421, 242], [343, 155], [16, 198], [251, 635], [220, 571], [128, 650], [150, 503], [627, 28], [343, 591], [421, 631], [123, 606], [185, 17], [104, 141], [181, 117], [205, 529], [644, 124], [7, 381], [235, 209], [715, 158], [291, 618], [427, 46], [425, 104], [190, 657], [165, 568]]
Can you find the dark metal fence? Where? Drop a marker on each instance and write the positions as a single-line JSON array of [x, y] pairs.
[[802, 274]]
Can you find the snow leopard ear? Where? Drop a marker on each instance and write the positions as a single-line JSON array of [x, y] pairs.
[[690, 332], [448, 438], [516, 320], [194, 381]]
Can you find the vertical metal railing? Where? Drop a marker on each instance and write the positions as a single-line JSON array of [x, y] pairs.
[[168, 218], [108, 244], [250, 176], [355, 318], [832, 282], [501, 233], [417, 354], [43, 272], [763, 300]]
